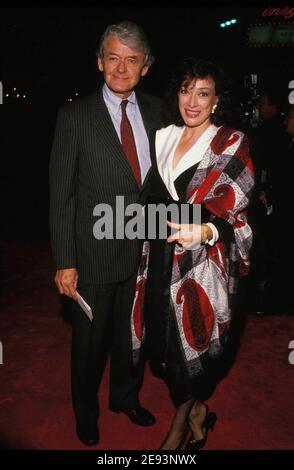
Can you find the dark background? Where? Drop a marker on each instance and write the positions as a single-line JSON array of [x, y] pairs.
[[48, 54]]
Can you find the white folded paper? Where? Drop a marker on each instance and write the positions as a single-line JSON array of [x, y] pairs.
[[87, 309]]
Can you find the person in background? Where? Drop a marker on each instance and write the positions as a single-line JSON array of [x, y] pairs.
[[268, 143], [283, 208], [100, 151], [289, 123]]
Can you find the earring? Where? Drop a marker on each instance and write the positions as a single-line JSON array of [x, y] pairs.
[[213, 109]]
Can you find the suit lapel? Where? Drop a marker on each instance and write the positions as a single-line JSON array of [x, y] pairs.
[[107, 135], [146, 113]]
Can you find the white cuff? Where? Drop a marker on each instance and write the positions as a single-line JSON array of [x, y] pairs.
[[215, 234]]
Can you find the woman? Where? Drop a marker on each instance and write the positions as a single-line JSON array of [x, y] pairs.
[[192, 275]]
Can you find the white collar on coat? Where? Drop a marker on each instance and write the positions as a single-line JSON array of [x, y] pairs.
[[166, 142]]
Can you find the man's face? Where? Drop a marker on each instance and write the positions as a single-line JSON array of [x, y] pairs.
[[289, 122], [122, 67], [265, 108]]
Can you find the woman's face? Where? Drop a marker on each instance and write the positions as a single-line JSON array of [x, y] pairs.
[[196, 100]]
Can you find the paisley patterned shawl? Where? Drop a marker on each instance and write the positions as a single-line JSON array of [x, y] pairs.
[[204, 281]]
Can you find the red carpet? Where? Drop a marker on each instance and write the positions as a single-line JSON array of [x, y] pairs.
[[254, 402]]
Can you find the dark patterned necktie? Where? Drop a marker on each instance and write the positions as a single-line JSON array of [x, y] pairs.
[[128, 142]]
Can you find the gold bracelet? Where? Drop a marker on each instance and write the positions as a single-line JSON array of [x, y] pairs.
[[203, 240], [206, 228]]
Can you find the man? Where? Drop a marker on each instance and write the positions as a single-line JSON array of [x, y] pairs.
[[289, 122], [283, 184], [100, 151], [267, 144]]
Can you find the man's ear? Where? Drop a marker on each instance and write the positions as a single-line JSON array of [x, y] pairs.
[[144, 70], [100, 64]]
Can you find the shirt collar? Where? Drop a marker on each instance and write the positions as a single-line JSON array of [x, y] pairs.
[[113, 102]]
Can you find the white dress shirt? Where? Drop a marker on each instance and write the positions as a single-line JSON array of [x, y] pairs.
[[133, 112]]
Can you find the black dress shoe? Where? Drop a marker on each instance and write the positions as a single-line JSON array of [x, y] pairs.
[[137, 415], [88, 435]]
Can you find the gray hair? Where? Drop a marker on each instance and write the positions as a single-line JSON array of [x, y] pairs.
[[129, 34]]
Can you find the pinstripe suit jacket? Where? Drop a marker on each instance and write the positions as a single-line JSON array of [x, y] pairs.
[[88, 167]]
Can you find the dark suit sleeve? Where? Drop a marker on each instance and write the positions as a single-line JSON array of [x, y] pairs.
[[63, 191]]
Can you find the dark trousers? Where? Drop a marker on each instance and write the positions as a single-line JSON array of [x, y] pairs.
[[92, 341]]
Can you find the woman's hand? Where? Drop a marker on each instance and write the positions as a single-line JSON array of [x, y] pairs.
[[189, 236]]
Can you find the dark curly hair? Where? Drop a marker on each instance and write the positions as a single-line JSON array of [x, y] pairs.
[[189, 69]]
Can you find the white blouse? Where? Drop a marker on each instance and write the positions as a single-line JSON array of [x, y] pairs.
[[166, 142]]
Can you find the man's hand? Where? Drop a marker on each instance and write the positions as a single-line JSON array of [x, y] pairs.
[[263, 198], [66, 281]]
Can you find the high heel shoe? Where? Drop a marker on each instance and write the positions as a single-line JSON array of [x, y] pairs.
[[182, 442], [208, 424]]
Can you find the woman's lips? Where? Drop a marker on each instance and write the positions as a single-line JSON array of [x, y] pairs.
[[192, 114]]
